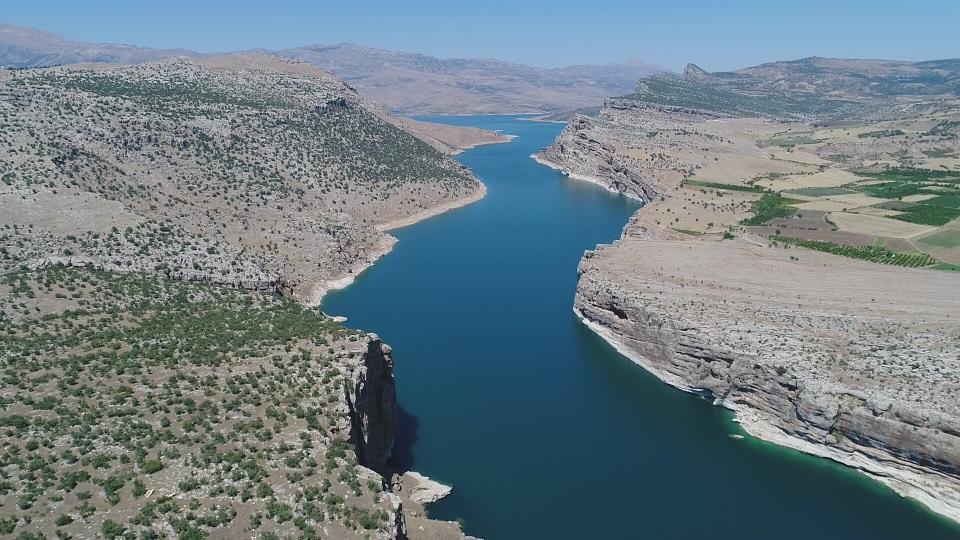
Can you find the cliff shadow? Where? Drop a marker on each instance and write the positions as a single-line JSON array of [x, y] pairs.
[[402, 459]]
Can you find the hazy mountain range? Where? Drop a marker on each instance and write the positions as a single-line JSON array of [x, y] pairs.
[[404, 82]]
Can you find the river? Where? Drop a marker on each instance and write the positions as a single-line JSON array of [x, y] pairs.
[[542, 429]]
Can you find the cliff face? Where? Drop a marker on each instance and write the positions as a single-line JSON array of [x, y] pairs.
[[635, 148], [581, 152], [841, 373], [370, 399], [372, 402]]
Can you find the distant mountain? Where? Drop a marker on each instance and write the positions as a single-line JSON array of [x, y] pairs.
[[27, 47], [404, 82], [856, 78], [417, 83], [806, 89]]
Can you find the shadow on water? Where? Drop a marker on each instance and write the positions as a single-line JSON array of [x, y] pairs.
[[407, 425]]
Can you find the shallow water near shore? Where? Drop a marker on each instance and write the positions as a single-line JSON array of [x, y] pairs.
[[542, 429]]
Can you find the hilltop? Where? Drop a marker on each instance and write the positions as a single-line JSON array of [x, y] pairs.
[[817, 89], [30, 47], [417, 83]]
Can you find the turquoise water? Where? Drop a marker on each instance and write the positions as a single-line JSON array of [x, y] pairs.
[[543, 430]]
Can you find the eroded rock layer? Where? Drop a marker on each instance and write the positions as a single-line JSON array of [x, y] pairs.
[[863, 368]]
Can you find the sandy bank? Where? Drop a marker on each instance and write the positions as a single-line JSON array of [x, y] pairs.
[[468, 146]]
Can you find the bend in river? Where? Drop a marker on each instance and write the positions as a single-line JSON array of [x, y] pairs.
[[542, 429]]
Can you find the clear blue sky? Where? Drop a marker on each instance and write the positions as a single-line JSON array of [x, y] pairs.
[[714, 34]]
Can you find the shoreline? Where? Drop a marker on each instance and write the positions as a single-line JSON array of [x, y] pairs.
[[464, 148], [435, 210], [317, 291], [541, 119], [904, 481], [582, 177]]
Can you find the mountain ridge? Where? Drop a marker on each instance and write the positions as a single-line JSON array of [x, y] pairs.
[[407, 82]]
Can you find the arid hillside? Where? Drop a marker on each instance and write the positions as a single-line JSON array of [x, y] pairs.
[[248, 170]]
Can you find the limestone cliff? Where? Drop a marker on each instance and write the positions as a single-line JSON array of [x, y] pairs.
[[861, 369], [630, 147], [372, 401], [581, 155]]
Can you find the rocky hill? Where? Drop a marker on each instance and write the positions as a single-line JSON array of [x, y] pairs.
[[417, 83], [406, 82], [247, 170], [135, 406]]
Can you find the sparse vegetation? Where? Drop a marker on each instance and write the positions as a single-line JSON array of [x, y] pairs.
[[151, 385]]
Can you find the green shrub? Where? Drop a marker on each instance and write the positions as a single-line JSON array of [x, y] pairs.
[[152, 466]]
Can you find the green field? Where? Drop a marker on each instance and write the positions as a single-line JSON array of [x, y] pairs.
[[903, 182], [820, 191], [946, 266], [945, 239], [912, 175], [881, 133], [947, 201], [727, 187], [789, 142], [771, 206], [866, 253], [892, 190], [928, 214]]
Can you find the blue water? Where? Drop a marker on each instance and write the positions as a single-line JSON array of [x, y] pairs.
[[543, 430]]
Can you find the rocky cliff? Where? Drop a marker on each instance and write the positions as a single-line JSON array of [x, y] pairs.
[[372, 401], [862, 368], [642, 150]]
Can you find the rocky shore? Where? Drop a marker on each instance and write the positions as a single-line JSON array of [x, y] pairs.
[[862, 369]]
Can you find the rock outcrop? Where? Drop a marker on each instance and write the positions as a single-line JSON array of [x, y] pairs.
[[421, 489], [372, 401], [693, 70], [581, 151]]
